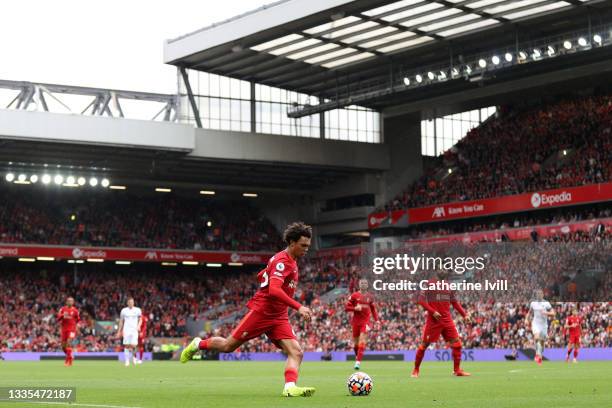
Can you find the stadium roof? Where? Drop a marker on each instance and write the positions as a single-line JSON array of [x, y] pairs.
[[320, 46]]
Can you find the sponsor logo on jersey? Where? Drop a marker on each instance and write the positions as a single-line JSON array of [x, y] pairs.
[[280, 266]]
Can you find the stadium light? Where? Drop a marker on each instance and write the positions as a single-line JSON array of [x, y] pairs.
[[450, 171], [9, 177], [72, 217], [567, 45], [123, 262], [93, 181], [70, 180], [26, 260], [582, 42], [536, 54], [508, 56], [169, 263], [482, 63], [468, 69], [105, 183], [190, 263], [81, 181], [207, 192], [522, 55], [564, 152], [21, 178], [454, 72], [442, 75], [406, 81], [597, 38], [46, 179], [163, 190], [431, 76], [419, 78], [117, 187], [59, 179], [495, 60], [550, 50], [213, 265], [235, 264], [95, 260], [250, 195], [209, 224], [45, 258], [33, 178]]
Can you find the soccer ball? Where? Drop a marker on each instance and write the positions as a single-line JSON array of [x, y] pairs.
[[360, 384]]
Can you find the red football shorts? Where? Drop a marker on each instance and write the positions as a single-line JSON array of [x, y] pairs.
[[433, 330], [574, 339], [67, 335], [254, 324], [360, 328]]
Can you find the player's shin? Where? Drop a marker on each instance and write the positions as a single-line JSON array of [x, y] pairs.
[[127, 355], [419, 356], [456, 352]]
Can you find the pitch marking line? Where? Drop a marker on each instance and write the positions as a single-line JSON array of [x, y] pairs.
[[74, 404]]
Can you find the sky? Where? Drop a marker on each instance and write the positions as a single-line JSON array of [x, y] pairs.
[[106, 44]]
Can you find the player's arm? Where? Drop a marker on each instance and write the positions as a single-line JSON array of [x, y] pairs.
[[422, 301], [120, 327], [350, 305], [59, 316], [374, 312], [277, 292]]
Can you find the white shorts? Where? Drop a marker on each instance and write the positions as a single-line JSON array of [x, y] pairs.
[[130, 338], [540, 332]]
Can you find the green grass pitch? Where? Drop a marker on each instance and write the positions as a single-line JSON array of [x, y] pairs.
[[259, 384]]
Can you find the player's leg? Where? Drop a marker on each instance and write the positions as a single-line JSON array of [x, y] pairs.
[[140, 349], [361, 345], [451, 335], [431, 333], [539, 335], [294, 359], [569, 351], [576, 349]]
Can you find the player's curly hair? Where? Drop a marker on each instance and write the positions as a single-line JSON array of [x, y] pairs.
[[295, 231]]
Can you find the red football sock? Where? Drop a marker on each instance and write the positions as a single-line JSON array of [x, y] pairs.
[[569, 351], [456, 356], [141, 352], [360, 351], [419, 357], [203, 344], [291, 375], [576, 352], [356, 348], [69, 353]]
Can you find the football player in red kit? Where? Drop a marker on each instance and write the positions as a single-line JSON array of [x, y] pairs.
[[142, 337], [573, 326], [437, 303], [361, 303], [268, 311], [68, 317]]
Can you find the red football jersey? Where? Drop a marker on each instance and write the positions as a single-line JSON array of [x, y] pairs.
[[574, 320], [282, 267], [366, 300], [439, 301], [143, 325], [68, 317]]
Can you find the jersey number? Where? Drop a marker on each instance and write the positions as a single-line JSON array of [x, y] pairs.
[[265, 282]]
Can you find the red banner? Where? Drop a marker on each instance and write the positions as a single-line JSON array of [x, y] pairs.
[[131, 254], [507, 204], [518, 234], [340, 252]]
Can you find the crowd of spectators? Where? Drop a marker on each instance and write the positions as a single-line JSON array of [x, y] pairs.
[[29, 300], [120, 219], [567, 143]]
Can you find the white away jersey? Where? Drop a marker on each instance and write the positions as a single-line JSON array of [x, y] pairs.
[[130, 319], [538, 309]]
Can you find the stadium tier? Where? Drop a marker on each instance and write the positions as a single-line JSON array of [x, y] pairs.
[[562, 144]]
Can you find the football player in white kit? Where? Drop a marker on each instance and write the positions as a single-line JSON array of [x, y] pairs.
[[129, 326], [541, 310]]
